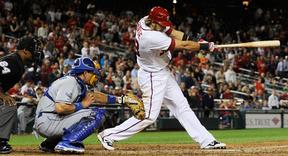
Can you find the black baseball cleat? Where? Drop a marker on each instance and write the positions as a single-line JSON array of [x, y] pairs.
[[46, 148], [215, 145], [49, 144], [5, 148]]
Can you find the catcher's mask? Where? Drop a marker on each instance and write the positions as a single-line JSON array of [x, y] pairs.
[[86, 64], [35, 46]]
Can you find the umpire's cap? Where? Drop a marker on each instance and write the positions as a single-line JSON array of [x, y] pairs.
[[34, 45], [85, 64]]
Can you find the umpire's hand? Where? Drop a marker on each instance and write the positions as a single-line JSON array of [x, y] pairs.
[[7, 100]]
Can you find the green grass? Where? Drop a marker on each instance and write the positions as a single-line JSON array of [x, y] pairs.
[[175, 137]]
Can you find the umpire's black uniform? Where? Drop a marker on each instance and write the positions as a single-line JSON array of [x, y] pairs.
[[11, 71]]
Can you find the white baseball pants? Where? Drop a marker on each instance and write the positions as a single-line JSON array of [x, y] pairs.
[[157, 88]]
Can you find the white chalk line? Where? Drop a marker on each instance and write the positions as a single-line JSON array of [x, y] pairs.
[[244, 149]]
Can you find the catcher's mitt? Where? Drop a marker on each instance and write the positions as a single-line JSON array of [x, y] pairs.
[[135, 104]]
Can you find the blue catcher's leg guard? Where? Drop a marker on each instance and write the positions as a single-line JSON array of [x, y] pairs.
[[74, 135]]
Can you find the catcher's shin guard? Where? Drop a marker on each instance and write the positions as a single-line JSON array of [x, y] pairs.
[[75, 134]]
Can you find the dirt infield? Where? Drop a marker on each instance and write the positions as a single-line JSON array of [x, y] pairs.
[[263, 149]]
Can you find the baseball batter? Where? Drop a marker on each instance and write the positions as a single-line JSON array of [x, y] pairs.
[[155, 40], [60, 115]]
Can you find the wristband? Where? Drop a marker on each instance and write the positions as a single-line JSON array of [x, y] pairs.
[[168, 31], [78, 106], [204, 46], [111, 99]]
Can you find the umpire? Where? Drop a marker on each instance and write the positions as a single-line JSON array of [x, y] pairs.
[[12, 67]]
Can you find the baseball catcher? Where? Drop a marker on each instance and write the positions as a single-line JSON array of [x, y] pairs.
[[63, 115]]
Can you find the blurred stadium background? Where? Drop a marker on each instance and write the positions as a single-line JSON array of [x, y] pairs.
[[233, 88]]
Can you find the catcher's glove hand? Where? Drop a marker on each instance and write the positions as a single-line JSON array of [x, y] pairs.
[[135, 104]]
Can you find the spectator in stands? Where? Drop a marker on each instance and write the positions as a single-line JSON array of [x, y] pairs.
[[259, 86], [54, 74], [85, 51], [187, 79], [15, 92], [94, 50], [127, 80], [108, 80], [134, 76], [280, 68], [273, 100], [285, 89], [65, 70], [45, 71], [89, 27], [70, 59], [194, 98], [14, 27], [179, 58], [227, 94], [261, 65], [209, 80], [184, 89], [226, 113], [220, 76], [117, 80], [43, 30], [230, 75], [198, 74], [208, 102], [24, 111]]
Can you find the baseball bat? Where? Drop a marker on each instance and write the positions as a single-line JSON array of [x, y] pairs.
[[256, 44]]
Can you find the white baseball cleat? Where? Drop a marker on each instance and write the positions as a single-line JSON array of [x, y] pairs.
[[215, 145], [67, 148], [106, 143]]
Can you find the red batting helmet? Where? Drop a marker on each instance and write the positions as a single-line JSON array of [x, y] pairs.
[[160, 15]]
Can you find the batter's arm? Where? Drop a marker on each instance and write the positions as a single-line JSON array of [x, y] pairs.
[[176, 34], [187, 45], [182, 41]]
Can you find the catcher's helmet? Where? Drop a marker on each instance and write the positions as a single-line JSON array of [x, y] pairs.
[[84, 64], [160, 15], [34, 45]]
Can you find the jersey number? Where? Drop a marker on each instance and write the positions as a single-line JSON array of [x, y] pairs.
[[5, 69]]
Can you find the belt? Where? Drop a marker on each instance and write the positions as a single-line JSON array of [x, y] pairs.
[[41, 113]]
